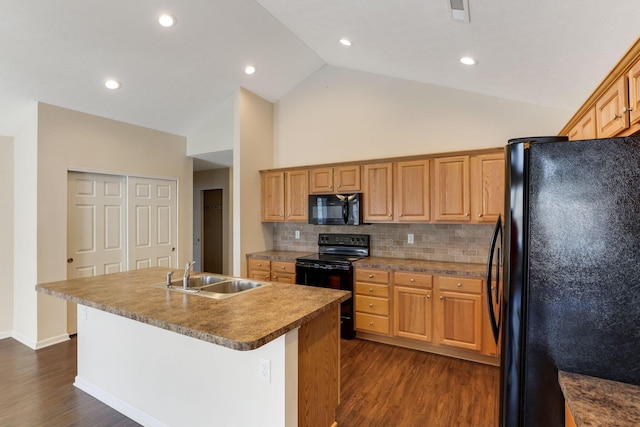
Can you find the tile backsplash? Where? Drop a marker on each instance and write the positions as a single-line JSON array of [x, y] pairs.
[[435, 242]]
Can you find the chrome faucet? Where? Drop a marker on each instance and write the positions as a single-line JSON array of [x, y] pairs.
[[187, 274], [169, 274]]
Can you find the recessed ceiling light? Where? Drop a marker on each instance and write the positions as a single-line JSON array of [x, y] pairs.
[[167, 20], [112, 84], [467, 60], [345, 42], [250, 69]]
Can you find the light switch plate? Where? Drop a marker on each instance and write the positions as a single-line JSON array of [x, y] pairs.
[[410, 238]]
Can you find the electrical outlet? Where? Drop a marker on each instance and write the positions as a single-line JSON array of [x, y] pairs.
[[265, 370], [297, 234], [410, 238]]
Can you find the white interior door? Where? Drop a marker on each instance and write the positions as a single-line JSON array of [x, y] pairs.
[[96, 228], [152, 222]]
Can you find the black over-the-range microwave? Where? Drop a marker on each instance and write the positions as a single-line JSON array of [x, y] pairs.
[[335, 209]]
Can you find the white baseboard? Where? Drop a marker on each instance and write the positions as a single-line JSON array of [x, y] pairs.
[[52, 341], [36, 345], [5, 334], [24, 340], [119, 405]]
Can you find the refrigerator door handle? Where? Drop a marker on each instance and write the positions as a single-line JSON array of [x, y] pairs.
[[495, 322]]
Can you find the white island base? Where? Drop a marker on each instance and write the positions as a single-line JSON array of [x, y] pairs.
[[161, 378]]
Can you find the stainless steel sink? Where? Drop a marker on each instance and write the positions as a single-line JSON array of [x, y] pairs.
[[212, 286], [232, 286]]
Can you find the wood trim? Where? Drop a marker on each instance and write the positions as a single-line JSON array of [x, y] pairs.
[[416, 157], [622, 67], [319, 369]]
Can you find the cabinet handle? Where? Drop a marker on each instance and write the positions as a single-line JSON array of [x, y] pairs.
[[400, 215], [370, 276], [459, 284], [466, 214], [370, 305], [259, 264], [370, 323], [479, 215], [624, 110], [370, 289], [389, 215], [339, 185], [441, 297], [283, 267], [617, 116], [266, 277], [428, 296], [412, 280], [330, 187]]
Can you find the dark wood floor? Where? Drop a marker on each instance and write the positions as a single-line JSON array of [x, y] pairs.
[[381, 386]]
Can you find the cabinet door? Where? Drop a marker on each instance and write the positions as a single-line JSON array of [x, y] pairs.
[[283, 277], [459, 319], [347, 179], [488, 187], [634, 94], [412, 193], [452, 198], [259, 275], [412, 313], [378, 192], [586, 127], [610, 109], [273, 196], [321, 181], [297, 199]]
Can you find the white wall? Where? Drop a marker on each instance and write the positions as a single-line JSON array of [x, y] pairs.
[[158, 377], [6, 236], [339, 114], [216, 133], [252, 151], [70, 140], [25, 242]]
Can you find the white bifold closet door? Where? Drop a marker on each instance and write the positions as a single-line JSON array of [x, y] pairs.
[[152, 223], [117, 223]]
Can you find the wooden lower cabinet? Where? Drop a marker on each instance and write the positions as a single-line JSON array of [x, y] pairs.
[[412, 313], [458, 312], [371, 293], [272, 271]]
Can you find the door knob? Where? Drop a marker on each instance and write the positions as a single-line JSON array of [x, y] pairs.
[[69, 260]]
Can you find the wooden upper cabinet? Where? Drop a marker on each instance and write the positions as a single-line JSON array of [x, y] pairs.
[[412, 193], [378, 192], [611, 108], [343, 179], [452, 193], [487, 172], [297, 199], [586, 127], [634, 94], [272, 196], [285, 196]]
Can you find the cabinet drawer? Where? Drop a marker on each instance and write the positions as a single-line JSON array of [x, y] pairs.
[[283, 267], [372, 305], [372, 323], [460, 284], [259, 264], [412, 279], [283, 277], [264, 276], [373, 276], [372, 290]]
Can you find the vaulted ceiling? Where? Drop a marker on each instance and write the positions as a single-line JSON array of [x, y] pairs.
[[546, 52]]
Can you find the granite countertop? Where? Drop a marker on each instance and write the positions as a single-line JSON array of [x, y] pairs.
[[241, 322], [424, 266], [598, 402], [278, 255]]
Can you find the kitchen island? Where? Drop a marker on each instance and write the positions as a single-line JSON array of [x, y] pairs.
[[269, 356]]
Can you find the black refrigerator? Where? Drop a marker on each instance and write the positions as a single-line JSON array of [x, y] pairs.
[[569, 257]]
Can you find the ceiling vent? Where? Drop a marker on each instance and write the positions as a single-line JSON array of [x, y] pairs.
[[459, 10]]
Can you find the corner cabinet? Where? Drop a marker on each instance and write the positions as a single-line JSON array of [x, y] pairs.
[[285, 196]]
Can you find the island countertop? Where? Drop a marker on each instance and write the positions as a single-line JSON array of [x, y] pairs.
[[241, 322]]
